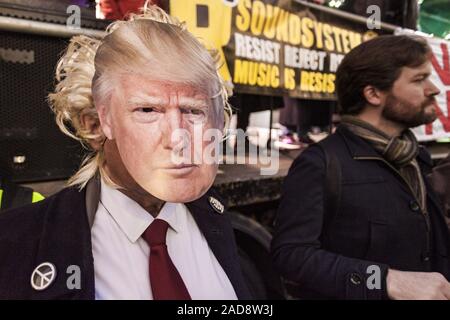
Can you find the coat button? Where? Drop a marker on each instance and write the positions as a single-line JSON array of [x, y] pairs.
[[414, 206], [355, 279], [425, 257]]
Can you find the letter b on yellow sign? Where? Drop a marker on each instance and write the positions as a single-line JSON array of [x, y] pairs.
[[210, 20]]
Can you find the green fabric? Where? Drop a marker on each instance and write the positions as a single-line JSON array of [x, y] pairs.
[[434, 17], [37, 197]]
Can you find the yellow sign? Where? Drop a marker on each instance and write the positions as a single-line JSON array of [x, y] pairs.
[[263, 46]]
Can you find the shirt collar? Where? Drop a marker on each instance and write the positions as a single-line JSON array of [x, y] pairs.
[[131, 218], [171, 213]]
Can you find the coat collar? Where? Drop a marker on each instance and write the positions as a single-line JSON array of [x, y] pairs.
[[359, 148], [356, 145]]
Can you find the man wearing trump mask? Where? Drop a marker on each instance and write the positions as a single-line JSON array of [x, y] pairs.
[[139, 219]]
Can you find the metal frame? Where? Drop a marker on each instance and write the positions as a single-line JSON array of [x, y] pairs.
[[45, 28], [343, 14]]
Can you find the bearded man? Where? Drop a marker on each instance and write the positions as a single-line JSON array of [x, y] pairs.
[[358, 219]]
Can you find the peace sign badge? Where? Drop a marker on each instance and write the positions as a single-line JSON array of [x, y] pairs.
[[43, 276]]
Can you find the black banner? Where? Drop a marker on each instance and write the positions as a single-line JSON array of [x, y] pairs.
[[274, 47]]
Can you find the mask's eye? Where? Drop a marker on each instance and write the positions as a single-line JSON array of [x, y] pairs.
[[194, 115], [197, 112], [146, 113], [145, 109]]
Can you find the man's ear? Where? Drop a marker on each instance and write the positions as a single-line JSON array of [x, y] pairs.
[[104, 115], [374, 96]]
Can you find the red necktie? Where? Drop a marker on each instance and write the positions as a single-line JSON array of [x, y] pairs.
[[165, 280]]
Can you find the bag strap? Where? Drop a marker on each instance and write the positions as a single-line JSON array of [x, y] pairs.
[[14, 195], [332, 187]]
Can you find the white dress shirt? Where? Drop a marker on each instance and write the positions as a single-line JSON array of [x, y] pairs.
[[121, 255]]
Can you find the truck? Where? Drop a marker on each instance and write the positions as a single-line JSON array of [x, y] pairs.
[[268, 49]]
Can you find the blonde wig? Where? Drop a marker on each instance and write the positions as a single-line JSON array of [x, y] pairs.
[[152, 44]]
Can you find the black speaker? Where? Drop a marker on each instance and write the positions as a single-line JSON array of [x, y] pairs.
[[31, 146]]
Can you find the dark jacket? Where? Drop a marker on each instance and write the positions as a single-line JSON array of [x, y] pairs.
[[440, 180], [57, 230], [378, 222]]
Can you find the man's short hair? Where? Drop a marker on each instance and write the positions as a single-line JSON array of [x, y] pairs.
[[377, 62]]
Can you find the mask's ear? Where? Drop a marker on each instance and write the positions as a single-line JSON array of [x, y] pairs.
[[104, 115], [92, 125]]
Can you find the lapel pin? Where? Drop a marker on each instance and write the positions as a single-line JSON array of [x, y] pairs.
[[43, 276], [216, 205]]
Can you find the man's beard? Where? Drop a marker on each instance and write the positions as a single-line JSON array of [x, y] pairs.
[[405, 113]]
